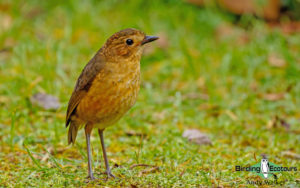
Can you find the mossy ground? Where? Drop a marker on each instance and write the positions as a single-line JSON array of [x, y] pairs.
[[206, 73]]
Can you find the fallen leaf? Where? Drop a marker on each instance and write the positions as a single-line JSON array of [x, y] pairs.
[[195, 136], [273, 96], [276, 61], [291, 155], [231, 115], [48, 102], [45, 157], [277, 121], [270, 10]]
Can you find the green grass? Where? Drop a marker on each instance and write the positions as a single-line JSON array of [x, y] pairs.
[[45, 45]]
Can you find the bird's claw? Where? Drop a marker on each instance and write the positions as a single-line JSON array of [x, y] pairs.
[[90, 178], [110, 175]]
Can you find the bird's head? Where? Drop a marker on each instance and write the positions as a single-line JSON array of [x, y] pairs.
[[126, 44]]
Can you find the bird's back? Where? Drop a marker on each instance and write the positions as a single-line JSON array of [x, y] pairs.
[[84, 82]]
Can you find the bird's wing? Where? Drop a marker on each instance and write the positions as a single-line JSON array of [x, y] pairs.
[[83, 83]]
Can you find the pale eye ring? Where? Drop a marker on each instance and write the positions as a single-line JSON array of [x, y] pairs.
[[129, 42]]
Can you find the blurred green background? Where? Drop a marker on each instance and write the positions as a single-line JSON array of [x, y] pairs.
[[234, 78]]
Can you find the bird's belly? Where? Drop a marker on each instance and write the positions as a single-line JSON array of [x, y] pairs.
[[108, 99]]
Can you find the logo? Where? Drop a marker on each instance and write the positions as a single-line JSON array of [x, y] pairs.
[[264, 166], [265, 170]]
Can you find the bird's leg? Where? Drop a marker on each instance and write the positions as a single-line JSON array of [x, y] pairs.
[[88, 130], [108, 172]]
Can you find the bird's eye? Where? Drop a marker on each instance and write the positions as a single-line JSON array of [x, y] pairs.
[[129, 42]]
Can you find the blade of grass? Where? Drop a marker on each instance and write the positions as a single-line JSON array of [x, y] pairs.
[[31, 156], [12, 129]]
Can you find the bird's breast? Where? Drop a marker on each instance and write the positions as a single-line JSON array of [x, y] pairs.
[[112, 93]]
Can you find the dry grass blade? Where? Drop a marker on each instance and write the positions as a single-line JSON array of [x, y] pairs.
[[153, 169], [291, 155], [273, 96], [181, 174], [137, 165]]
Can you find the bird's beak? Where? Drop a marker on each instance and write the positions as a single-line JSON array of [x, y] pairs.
[[149, 39]]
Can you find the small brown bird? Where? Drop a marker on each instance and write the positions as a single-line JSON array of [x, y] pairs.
[[107, 88]]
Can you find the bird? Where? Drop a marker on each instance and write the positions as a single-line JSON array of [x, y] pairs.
[[264, 165], [106, 89]]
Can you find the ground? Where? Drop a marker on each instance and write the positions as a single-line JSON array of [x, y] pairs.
[[234, 79]]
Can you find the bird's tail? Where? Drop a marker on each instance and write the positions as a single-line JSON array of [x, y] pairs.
[[73, 129]]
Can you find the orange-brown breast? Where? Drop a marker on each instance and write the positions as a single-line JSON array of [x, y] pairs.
[[112, 93]]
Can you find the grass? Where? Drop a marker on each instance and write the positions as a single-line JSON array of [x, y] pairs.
[[206, 73]]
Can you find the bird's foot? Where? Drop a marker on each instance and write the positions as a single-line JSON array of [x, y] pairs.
[[90, 178], [110, 175]]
